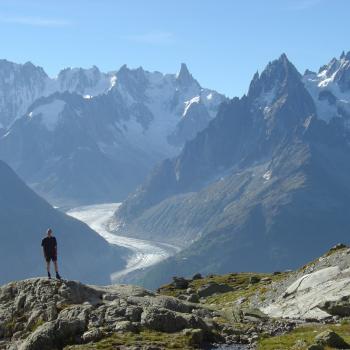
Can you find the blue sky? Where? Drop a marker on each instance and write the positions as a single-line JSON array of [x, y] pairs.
[[223, 42]]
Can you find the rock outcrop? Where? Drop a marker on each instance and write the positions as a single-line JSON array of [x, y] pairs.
[[318, 291], [41, 314]]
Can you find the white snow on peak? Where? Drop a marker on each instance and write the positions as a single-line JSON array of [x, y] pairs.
[[112, 81], [326, 83], [196, 99], [267, 176], [82, 81], [154, 103], [265, 101], [49, 113], [330, 72]]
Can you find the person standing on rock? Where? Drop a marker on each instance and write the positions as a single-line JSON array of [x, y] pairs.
[[49, 245]]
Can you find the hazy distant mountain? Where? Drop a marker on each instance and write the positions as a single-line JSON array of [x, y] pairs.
[[98, 135], [24, 219], [265, 185], [22, 84]]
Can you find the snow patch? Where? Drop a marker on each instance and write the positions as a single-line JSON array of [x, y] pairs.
[[188, 104], [267, 176], [49, 113]]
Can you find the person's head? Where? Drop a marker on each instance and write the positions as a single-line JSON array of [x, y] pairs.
[[49, 232]]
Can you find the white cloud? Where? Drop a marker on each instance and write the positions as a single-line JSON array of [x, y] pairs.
[[152, 38], [35, 21]]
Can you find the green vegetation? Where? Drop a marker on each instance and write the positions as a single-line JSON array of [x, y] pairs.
[[63, 306], [37, 324], [9, 328], [145, 337], [302, 337], [240, 282]]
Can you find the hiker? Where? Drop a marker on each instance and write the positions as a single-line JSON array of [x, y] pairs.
[[49, 245]]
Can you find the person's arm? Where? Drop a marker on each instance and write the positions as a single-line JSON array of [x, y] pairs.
[[56, 247], [42, 244]]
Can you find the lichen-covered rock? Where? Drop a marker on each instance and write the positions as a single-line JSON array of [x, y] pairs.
[[315, 347], [133, 313], [315, 295], [193, 298], [196, 336], [163, 320], [213, 288], [126, 326], [331, 339], [340, 307], [197, 276], [180, 282], [92, 335], [254, 279], [42, 314], [54, 335]]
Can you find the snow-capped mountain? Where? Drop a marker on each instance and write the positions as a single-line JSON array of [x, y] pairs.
[[93, 137], [21, 85], [87, 82], [330, 88]]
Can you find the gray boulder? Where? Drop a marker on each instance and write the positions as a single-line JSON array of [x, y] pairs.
[[126, 326], [180, 282], [254, 279], [197, 276], [213, 288], [337, 307], [193, 298], [54, 335], [163, 320], [331, 339], [92, 335]]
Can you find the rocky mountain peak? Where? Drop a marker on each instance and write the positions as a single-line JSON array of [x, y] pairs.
[[132, 78], [279, 76], [184, 77], [78, 78]]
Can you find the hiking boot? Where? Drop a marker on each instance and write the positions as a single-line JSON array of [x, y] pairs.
[[49, 275], [58, 276]]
